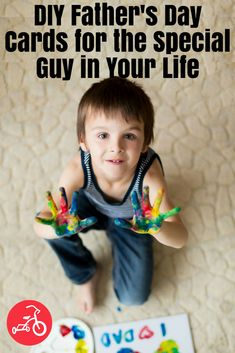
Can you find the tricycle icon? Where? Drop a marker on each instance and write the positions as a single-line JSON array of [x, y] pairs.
[[39, 327]]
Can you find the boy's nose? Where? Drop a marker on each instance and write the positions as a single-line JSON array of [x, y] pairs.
[[116, 146]]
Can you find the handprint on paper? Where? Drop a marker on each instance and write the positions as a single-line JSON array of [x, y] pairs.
[[66, 220], [147, 219]]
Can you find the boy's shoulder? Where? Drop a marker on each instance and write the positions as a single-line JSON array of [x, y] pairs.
[[155, 180], [154, 177], [73, 175]]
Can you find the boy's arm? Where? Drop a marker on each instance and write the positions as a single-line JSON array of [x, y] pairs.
[[72, 179], [172, 232]]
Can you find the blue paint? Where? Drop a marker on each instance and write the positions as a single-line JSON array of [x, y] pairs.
[[105, 339], [121, 336], [163, 328], [118, 337], [126, 350], [78, 333], [129, 336]]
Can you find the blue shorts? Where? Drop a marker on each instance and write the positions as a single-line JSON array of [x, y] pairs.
[[132, 256]]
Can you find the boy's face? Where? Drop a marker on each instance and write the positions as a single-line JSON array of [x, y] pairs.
[[115, 145]]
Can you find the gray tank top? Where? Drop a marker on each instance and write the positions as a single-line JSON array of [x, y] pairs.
[[122, 209]]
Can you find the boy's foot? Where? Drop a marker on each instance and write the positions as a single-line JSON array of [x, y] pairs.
[[86, 293]]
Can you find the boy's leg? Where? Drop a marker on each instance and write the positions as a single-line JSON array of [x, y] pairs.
[[132, 264], [80, 267], [76, 260]]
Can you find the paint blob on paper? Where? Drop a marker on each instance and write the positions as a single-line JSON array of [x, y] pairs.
[[127, 350], [168, 346]]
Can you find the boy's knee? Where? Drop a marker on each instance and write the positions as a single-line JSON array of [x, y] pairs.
[[129, 298]]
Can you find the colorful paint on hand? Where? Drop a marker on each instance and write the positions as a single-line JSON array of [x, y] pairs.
[[65, 221], [168, 346], [147, 219]]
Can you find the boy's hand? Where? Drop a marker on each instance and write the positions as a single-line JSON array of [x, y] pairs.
[[146, 219], [65, 221]]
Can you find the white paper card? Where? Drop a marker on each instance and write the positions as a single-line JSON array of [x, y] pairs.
[[169, 334]]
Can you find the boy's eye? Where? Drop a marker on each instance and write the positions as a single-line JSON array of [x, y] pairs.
[[130, 137], [102, 135]]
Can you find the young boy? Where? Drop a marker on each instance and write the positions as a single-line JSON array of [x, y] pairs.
[[115, 128]]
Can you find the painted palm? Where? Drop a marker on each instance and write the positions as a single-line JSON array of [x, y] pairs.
[[147, 219], [65, 220]]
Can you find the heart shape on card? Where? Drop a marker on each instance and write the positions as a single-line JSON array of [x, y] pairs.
[[145, 332]]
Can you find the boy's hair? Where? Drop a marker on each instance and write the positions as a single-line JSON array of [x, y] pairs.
[[117, 95]]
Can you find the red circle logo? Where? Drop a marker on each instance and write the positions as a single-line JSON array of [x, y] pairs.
[[29, 322]]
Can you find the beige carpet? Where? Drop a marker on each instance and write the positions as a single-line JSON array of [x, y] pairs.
[[195, 129]]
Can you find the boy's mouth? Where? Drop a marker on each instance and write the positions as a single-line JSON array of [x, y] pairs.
[[115, 161]]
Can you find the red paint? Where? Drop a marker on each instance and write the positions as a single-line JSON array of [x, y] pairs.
[[64, 330], [145, 332], [63, 206]]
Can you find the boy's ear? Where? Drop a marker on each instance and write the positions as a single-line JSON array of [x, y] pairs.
[[83, 144]]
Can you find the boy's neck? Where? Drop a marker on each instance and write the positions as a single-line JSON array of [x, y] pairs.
[[113, 180], [115, 190]]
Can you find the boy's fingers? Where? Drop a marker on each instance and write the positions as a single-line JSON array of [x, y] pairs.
[[136, 204], [157, 202], [74, 204], [154, 230], [171, 213], [45, 221], [62, 230], [51, 204], [63, 200], [120, 222], [158, 221], [146, 207]]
